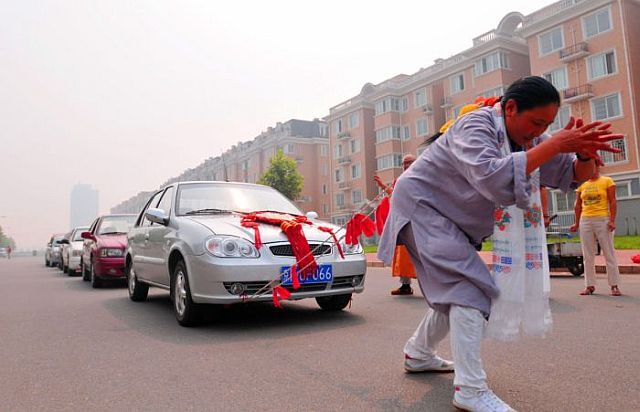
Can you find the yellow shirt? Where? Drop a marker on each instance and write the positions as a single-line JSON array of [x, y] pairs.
[[593, 194]]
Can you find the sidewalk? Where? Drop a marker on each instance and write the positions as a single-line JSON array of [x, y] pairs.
[[625, 264]]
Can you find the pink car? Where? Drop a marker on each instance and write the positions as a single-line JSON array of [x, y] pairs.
[[103, 250]]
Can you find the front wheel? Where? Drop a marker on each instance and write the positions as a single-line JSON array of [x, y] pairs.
[[334, 303], [187, 313], [138, 291], [95, 280], [576, 269]]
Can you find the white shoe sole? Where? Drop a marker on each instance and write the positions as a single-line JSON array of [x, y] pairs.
[[462, 408], [409, 369]]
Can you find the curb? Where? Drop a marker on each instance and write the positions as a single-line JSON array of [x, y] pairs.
[[624, 269]]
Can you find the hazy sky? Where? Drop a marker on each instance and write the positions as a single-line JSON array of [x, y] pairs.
[[123, 95]]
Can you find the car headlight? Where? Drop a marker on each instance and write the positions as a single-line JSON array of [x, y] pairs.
[[230, 247], [110, 252], [351, 249]]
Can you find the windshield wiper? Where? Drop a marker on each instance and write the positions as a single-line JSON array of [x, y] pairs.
[[113, 233], [208, 211]]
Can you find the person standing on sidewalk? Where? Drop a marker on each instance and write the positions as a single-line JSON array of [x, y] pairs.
[[595, 210], [443, 207], [401, 266]]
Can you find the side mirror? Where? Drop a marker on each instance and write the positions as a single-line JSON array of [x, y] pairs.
[[157, 216], [87, 235], [312, 215]]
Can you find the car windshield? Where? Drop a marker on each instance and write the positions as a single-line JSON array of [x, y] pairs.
[[56, 240], [116, 224], [220, 198], [78, 235]]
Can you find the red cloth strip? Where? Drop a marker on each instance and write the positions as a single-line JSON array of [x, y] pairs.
[[280, 293], [335, 239]]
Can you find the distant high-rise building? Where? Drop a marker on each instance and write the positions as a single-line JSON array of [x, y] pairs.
[[84, 205]]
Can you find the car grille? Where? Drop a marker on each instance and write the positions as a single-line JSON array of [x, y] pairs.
[[338, 283], [318, 249]]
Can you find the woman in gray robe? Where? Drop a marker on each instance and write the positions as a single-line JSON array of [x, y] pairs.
[[443, 207]]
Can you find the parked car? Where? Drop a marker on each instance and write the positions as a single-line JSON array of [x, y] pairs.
[[103, 249], [52, 253], [72, 251], [189, 240], [3, 252]]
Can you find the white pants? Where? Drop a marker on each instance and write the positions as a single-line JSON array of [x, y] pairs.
[[466, 326], [592, 228]]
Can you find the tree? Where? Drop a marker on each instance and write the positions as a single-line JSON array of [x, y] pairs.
[[282, 175], [6, 240]]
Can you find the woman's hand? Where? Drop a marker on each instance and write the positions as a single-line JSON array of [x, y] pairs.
[[379, 182], [611, 226], [585, 139], [573, 228]]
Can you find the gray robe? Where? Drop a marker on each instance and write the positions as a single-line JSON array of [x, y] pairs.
[[448, 197]]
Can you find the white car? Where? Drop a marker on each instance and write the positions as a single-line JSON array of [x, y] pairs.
[[72, 251], [189, 240]]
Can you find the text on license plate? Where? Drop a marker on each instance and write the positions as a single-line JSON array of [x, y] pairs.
[[323, 274]]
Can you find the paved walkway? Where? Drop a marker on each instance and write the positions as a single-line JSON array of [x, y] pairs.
[[624, 261]]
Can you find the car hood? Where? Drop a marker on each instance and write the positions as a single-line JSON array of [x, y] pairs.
[[114, 241], [230, 225]]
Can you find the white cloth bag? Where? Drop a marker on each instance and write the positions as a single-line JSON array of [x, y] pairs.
[[520, 268]]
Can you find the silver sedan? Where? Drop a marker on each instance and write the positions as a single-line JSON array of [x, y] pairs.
[[189, 240]]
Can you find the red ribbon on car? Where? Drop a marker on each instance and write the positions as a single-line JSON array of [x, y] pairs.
[[280, 293], [335, 239]]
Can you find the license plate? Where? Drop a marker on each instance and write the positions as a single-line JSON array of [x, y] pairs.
[[323, 274]]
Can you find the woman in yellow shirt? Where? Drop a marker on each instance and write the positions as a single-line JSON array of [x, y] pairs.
[[595, 210]]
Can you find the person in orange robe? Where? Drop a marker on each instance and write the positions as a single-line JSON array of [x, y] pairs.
[[401, 266]]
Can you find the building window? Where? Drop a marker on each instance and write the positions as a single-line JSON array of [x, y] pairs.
[[596, 23], [337, 126], [324, 189], [611, 158], [324, 149], [340, 221], [354, 120], [325, 209], [421, 97], [456, 111], [558, 78], [564, 202], [355, 145], [389, 161], [337, 151], [601, 65], [606, 107], [388, 104], [561, 120], [289, 148], [405, 133], [421, 127], [623, 189], [496, 91], [325, 169], [339, 176], [356, 196], [403, 104], [356, 171], [456, 83], [388, 133], [551, 41], [339, 199], [491, 62]]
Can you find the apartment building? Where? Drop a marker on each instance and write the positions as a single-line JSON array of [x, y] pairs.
[[371, 132], [303, 140], [589, 49]]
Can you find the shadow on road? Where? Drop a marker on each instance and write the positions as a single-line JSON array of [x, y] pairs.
[[240, 322]]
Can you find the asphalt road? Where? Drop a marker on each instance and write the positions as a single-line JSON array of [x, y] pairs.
[[65, 346]]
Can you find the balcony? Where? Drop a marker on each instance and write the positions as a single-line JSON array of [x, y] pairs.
[[446, 103], [344, 136], [344, 160], [576, 94], [344, 185], [427, 109], [574, 52], [345, 206]]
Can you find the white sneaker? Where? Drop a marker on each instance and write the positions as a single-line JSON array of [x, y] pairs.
[[435, 364], [482, 401]]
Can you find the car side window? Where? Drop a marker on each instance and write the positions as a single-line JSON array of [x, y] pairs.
[[154, 201], [165, 202], [92, 228]]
